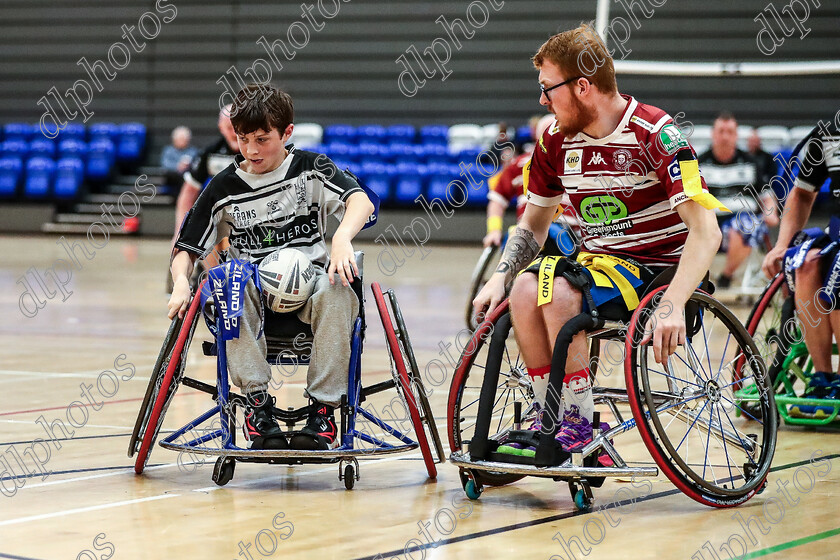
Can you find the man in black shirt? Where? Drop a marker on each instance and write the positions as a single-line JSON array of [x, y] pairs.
[[728, 171], [211, 161]]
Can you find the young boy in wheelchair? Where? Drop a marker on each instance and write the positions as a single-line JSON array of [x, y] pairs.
[[633, 182], [274, 196], [810, 259]]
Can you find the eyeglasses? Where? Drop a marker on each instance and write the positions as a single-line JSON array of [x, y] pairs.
[[544, 90]]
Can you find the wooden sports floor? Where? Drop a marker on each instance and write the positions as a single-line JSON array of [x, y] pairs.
[[92, 505]]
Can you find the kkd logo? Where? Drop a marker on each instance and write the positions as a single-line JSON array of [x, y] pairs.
[[602, 209]]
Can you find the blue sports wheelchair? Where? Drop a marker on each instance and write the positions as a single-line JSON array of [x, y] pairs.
[[213, 433]]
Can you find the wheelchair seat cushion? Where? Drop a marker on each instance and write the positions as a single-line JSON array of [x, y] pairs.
[[284, 326]]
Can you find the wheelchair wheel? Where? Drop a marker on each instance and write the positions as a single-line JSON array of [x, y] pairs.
[[155, 380], [163, 384], [426, 413], [685, 410], [514, 387], [773, 325], [478, 279], [405, 384]]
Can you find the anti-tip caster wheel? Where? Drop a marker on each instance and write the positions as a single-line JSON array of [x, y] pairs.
[[473, 489], [349, 477], [223, 470], [582, 496]]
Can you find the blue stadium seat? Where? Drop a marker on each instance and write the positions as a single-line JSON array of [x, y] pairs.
[[100, 160], [72, 148], [434, 134], [468, 155], [11, 169], [14, 148], [436, 153], [68, 178], [72, 131], [39, 178], [343, 133], [379, 178], [42, 148], [400, 134], [410, 181], [371, 153], [405, 153], [372, 133], [132, 142], [343, 151], [104, 131], [19, 131], [523, 134]]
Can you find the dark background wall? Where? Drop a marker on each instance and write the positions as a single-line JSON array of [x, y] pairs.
[[347, 72]]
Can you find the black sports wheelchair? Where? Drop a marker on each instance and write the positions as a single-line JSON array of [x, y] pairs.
[[715, 448]]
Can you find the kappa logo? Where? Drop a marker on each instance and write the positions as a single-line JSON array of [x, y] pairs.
[[572, 163], [597, 159]]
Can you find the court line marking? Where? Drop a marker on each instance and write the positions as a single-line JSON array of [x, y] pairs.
[[557, 517], [30, 422], [84, 509], [71, 471], [120, 401], [128, 470], [791, 544], [13, 557]]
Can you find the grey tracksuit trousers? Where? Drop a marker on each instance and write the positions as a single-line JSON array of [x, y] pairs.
[[331, 311]]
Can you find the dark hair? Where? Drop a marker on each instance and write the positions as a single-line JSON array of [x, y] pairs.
[[261, 107], [724, 116]]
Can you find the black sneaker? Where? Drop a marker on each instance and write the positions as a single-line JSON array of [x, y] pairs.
[[723, 282], [260, 427], [320, 432]]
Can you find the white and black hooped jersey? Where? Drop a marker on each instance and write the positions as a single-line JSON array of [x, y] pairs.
[[287, 207], [727, 181], [819, 159]]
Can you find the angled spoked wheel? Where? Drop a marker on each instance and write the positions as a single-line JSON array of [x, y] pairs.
[[409, 386], [702, 438], [512, 392], [163, 384]]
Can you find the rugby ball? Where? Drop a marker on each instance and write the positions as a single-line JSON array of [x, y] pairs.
[[287, 277]]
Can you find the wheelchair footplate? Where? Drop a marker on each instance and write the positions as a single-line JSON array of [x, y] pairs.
[[581, 470]]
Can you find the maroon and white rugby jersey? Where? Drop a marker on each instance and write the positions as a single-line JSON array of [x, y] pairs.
[[624, 188]]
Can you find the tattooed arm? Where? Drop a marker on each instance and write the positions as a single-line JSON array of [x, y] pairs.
[[521, 249]]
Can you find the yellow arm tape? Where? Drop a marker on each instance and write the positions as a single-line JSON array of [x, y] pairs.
[[493, 182], [526, 173], [693, 187], [546, 280], [602, 268], [494, 223]]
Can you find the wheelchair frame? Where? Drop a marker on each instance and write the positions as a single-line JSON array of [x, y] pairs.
[[479, 465], [790, 362], [168, 374]]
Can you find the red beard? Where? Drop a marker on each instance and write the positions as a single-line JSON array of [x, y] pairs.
[[575, 121]]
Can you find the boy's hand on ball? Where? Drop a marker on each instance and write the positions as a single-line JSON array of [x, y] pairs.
[[342, 261], [180, 299]]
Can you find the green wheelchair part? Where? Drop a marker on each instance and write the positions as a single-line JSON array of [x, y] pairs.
[[797, 365]]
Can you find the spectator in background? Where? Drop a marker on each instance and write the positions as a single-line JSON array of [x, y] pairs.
[[176, 157], [728, 171], [765, 164]]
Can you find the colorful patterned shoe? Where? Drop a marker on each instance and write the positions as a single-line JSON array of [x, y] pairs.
[[576, 432]]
